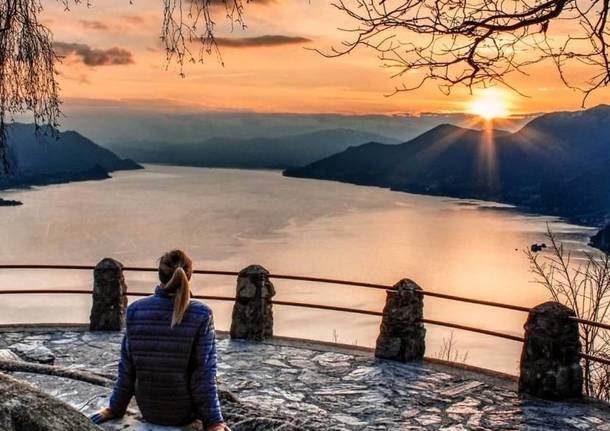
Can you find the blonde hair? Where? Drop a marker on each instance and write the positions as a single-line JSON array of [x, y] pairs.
[[175, 271]]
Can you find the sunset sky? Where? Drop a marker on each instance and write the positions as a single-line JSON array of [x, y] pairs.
[[112, 53]]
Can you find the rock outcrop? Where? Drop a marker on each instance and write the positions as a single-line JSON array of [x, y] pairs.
[[33, 353], [402, 333], [25, 408], [601, 240], [7, 355], [550, 365], [252, 312], [109, 300], [9, 203]]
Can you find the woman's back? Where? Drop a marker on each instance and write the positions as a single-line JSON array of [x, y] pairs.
[[164, 357], [168, 355]]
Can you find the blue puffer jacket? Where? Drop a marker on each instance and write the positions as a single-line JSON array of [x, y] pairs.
[[171, 371]]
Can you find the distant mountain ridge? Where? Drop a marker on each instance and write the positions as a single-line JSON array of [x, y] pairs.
[[558, 163], [55, 157], [255, 153]]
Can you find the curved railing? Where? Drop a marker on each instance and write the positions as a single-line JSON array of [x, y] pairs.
[[310, 305]]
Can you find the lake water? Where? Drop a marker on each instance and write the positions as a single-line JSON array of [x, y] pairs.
[[228, 219]]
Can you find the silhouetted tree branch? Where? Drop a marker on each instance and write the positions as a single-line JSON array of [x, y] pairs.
[[480, 43], [28, 75], [27, 68], [584, 286], [187, 23]]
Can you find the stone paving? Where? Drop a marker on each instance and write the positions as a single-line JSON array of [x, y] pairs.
[[326, 389]]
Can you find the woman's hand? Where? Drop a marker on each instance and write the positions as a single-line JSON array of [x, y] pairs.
[[217, 427], [102, 416]]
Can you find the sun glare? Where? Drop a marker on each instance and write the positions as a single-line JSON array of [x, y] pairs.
[[489, 104]]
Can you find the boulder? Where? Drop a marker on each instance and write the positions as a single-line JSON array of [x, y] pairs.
[[33, 353], [9, 203], [537, 247], [7, 355], [25, 408], [601, 240], [550, 362], [402, 333]]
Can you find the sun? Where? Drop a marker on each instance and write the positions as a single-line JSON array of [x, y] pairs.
[[489, 104]]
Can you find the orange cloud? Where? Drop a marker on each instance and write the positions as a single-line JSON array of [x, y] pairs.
[[94, 56], [260, 41], [94, 25]]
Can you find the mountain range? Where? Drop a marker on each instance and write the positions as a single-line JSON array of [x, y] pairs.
[[558, 164], [254, 153], [48, 156]]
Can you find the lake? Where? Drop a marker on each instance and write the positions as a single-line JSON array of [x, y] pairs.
[[228, 219]]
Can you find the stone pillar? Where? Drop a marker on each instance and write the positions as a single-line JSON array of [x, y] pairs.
[[550, 366], [402, 333], [109, 300], [252, 312]]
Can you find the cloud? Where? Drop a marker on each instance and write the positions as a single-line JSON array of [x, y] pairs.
[[178, 121], [94, 56], [94, 25], [133, 19], [260, 41], [121, 24], [230, 3]]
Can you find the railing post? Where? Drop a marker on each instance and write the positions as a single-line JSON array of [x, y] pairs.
[[109, 300], [252, 312], [402, 336], [550, 362]]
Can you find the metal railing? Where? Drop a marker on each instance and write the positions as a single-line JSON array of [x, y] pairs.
[[310, 305]]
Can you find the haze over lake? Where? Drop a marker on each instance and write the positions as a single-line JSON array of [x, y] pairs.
[[228, 219]]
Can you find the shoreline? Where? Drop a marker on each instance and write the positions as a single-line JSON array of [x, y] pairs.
[[27, 183], [595, 223], [466, 201]]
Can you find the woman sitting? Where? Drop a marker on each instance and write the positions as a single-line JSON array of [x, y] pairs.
[[168, 355]]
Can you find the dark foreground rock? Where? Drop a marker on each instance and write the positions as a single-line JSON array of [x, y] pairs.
[[33, 352], [9, 203], [8, 355], [25, 408], [601, 240]]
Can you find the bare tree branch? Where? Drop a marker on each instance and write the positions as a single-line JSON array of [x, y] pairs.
[[187, 23], [27, 68], [28, 75], [584, 287], [477, 43]]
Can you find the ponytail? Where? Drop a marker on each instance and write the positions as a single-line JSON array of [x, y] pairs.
[[175, 270], [179, 285]]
